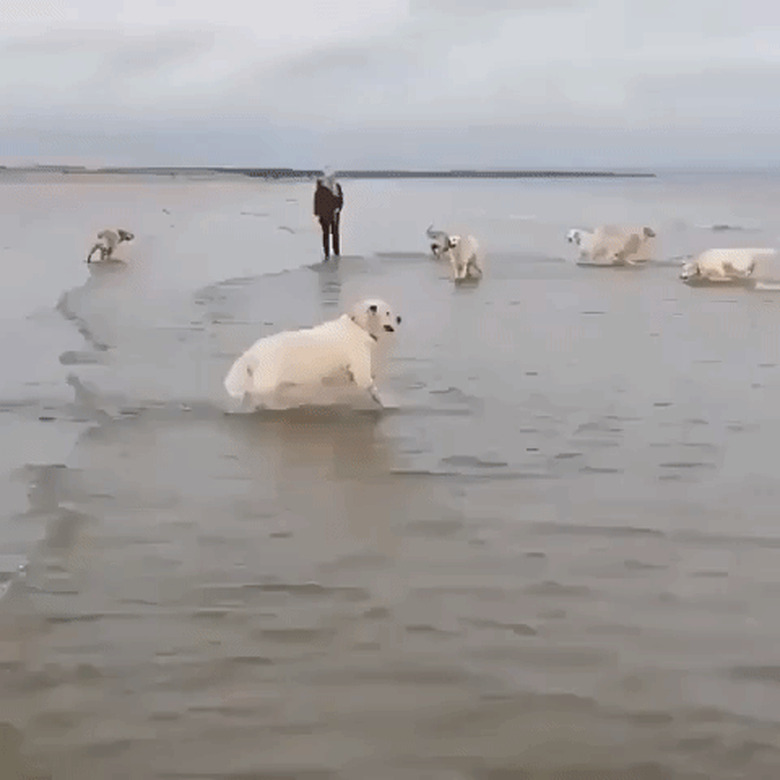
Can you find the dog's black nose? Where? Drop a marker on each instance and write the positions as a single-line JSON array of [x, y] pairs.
[[389, 328], [398, 320]]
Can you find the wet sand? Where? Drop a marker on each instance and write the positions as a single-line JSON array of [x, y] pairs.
[[555, 555]]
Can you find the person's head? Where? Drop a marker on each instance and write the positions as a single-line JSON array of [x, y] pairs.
[[329, 178]]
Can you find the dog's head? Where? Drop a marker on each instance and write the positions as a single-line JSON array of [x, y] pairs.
[[375, 317], [689, 270], [125, 235], [648, 232], [574, 236], [453, 241]]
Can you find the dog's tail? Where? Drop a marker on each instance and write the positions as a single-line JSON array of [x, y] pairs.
[[430, 232], [238, 381], [92, 252]]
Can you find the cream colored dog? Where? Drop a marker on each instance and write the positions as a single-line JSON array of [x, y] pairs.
[[464, 256], [724, 265], [614, 244], [344, 346], [107, 242]]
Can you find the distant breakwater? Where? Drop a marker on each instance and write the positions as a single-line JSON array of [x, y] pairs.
[[293, 173]]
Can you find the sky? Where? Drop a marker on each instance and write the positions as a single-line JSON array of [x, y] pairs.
[[381, 83]]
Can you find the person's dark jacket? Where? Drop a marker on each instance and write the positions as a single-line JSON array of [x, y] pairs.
[[326, 203]]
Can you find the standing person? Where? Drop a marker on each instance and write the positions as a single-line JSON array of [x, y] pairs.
[[328, 202]]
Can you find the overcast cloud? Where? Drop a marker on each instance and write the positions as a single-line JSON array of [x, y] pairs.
[[390, 82]]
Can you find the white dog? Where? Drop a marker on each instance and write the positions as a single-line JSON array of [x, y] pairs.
[[107, 242], [313, 355], [439, 241], [463, 254], [724, 265], [614, 244]]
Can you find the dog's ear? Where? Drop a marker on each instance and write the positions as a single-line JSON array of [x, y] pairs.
[[372, 308], [649, 232], [398, 320]]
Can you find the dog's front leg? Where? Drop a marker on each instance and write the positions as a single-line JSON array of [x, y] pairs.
[[374, 393], [360, 371]]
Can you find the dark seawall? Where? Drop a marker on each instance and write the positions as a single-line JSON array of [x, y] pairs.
[[292, 173]]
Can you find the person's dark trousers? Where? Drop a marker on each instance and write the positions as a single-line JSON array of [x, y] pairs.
[[325, 236], [335, 232], [330, 227]]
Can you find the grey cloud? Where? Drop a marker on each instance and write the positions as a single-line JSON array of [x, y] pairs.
[[329, 61], [120, 53], [131, 56], [700, 18], [736, 97], [529, 82], [340, 81], [385, 74], [100, 75], [481, 7]]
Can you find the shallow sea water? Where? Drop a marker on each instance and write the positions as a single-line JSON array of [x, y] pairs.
[[554, 555]]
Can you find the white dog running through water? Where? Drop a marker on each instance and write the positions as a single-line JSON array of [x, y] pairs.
[[107, 242], [439, 241], [724, 265], [463, 254], [614, 244], [312, 355]]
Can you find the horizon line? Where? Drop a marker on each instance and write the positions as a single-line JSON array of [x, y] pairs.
[[347, 173]]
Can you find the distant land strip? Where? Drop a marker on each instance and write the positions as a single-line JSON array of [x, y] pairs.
[[292, 173]]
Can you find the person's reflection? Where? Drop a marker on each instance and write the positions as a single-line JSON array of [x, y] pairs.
[[329, 281]]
